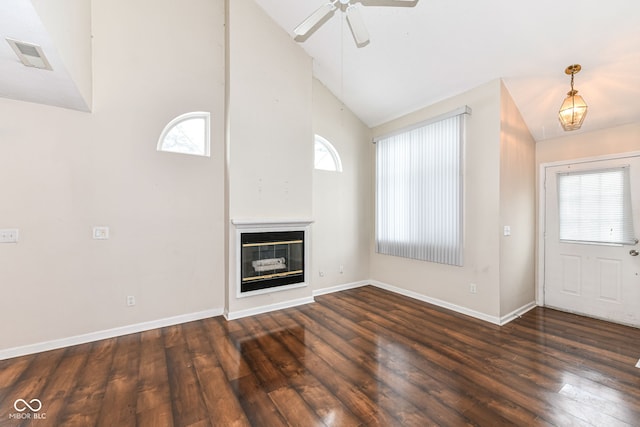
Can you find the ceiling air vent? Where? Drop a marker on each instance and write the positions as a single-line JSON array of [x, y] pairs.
[[31, 55]]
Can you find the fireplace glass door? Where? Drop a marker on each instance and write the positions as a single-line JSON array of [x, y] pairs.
[[271, 259]]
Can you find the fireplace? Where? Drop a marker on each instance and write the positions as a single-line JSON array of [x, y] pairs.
[[271, 259], [271, 256]]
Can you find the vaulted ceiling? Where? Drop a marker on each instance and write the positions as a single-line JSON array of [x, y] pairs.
[[420, 52], [19, 20], [425, 51]]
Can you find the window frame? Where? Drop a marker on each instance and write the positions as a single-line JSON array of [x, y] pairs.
[[399, 232], [205, 115]]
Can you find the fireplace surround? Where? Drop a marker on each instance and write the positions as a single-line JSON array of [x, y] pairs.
[[271, 256]]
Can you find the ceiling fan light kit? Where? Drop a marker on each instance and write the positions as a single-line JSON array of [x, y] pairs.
[[573, 109], [354, 18]]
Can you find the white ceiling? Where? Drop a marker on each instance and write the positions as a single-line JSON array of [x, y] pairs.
[[422, 53], [434, 49], [19, 21]]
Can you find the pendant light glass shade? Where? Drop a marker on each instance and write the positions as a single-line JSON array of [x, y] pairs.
[[573, 109]]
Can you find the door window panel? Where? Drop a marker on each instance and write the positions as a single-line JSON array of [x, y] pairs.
[[595, 207]]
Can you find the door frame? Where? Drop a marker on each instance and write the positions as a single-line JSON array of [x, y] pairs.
[[542, 197]]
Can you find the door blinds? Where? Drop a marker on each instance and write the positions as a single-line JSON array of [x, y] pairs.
[[595, 206]]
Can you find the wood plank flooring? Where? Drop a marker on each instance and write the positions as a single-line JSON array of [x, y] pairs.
[[358, 357]]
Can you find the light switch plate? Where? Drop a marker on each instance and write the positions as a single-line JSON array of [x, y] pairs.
[[9, 235], [100, 233]]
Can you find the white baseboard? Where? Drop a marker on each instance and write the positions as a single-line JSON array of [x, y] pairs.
[[517, 313], [449, 306], [175, 320], [231, 315], [109, 333], [339, 288]]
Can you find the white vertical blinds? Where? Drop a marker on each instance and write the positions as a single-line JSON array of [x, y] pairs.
[[595, 206], [419, 192]]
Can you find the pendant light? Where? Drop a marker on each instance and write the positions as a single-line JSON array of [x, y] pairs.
[[573, 109]]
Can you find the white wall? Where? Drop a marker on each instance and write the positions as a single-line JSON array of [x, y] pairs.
[[341, 200], [620, 139], [66, 171], [517, 208], [172, 244], [447, 283], [270, 139], [499, 190]]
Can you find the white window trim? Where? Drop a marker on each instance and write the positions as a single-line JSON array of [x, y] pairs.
[[184, 117], [332, 151]]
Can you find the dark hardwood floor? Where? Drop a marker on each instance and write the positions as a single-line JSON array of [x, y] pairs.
[[358, 357]]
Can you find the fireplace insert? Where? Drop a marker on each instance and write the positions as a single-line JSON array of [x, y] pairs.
[[271, 259]]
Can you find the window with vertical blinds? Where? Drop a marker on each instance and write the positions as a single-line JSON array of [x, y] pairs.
[[595, 206], [419, 191]]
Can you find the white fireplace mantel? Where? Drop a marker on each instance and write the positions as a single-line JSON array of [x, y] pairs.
[[270, 223]]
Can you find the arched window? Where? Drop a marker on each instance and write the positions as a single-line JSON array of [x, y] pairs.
[[187, 134], [326, 156]]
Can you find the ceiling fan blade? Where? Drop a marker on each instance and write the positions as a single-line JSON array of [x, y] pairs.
[[358, 29], [403, 3], [313, 19]]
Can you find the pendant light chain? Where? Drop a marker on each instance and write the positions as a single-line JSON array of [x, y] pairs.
[[573, 91]]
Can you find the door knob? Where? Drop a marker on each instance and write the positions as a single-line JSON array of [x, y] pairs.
[[633, 252]]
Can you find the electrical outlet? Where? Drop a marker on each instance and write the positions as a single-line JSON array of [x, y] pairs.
[[9, 235], [472, 288], [131, 301]]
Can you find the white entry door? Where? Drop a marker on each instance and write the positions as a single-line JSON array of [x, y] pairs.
[[591, 257]]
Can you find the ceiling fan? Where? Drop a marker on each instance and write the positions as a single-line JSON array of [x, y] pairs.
[[356, 23]]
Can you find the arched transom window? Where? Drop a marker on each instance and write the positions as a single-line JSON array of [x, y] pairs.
[[326, 156], [187, 134]]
